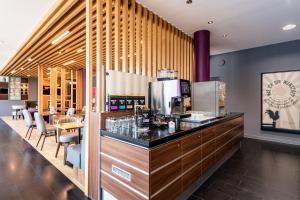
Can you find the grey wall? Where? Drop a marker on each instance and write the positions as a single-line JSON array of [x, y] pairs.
[[242, 72], [5, 105]]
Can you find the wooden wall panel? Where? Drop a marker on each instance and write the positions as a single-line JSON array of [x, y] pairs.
[[123, 30]]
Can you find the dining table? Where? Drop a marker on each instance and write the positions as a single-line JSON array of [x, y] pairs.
[[70, 126]]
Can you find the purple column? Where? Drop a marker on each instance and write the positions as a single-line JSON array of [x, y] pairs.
[[202, 55]]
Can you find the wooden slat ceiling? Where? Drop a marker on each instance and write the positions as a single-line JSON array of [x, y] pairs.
[[68, 15]]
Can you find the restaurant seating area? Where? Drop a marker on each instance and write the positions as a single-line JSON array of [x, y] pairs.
[[47, 138]]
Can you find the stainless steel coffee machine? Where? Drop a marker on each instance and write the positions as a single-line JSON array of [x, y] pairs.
[[169, 95]]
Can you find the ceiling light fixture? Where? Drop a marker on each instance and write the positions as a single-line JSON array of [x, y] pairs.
[[29, 59], [56, 40], [22, 68], [225, 35], [13, 71], [28, 75], [69, 63], [289, 27], [189, 1], [79, 50], [210, 22]]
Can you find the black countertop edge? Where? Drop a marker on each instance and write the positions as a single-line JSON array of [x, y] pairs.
[[169, 138]]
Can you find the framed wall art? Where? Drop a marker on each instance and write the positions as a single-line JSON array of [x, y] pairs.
[[280, 101]]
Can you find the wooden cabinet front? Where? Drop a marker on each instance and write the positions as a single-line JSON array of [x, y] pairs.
[[168, 170], [164, 154]]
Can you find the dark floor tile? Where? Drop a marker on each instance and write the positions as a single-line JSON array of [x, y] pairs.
[[258, 171]]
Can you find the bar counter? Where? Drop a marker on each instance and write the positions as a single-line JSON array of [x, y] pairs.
[[165, 165]]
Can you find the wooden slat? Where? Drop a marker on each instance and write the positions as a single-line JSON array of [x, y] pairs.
[[149, 45], [138, 39], [99, 55], [63, 89], [154, 47], [89, 84], [72, 88], [159, 44], [168, 46], [125, 36], [172, 47], [131, 36], [108, 26], [163, 45], [117, 35], [144, 41]]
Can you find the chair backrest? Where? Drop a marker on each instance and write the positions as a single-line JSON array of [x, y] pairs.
[[70, 112], [27, 118], [19, 107], [40, 123], [52, 110]]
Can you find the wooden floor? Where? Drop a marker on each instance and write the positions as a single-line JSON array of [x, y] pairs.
[[259, 171], [26, 174], [48, 151]]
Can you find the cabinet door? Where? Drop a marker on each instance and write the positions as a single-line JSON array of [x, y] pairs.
[[208, 134], [191, 142], [164, 154]]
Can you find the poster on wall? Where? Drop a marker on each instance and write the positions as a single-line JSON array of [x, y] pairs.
[[281, 101]]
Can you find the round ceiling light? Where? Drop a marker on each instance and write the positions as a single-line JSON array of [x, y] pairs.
[[210, 22], [289, 27], [189, 1]]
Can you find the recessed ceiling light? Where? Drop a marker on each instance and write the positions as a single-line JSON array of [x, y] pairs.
[[69, 62], [28, 75], [13, 71], [189, 1], [56, 40], [289, 27], [225, 35], [79, 50], [22, 68], [210, 22], [29, 59]]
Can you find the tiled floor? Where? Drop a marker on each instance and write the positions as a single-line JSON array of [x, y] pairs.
[[25, 174], [259, 171]]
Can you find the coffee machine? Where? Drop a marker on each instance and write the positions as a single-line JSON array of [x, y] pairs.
[[168, 97]]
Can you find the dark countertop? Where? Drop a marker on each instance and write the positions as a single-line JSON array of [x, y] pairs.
[[157, 136]]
